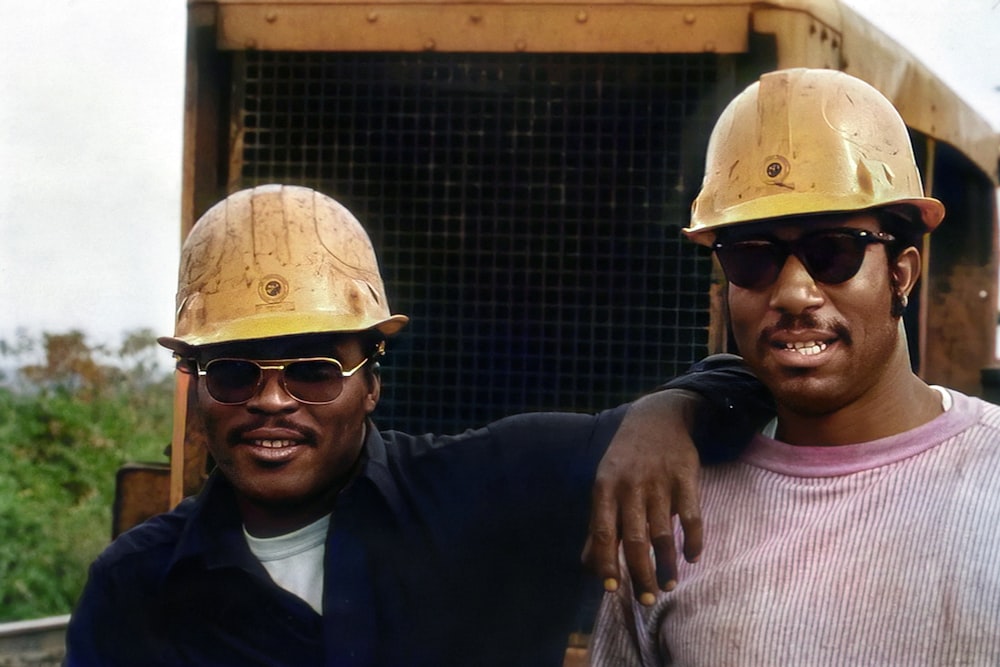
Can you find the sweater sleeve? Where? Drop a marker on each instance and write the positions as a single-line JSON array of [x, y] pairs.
[[736, 405]]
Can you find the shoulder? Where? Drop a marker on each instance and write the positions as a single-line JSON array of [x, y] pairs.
[[149, 545], [974, 413], [970, 433]]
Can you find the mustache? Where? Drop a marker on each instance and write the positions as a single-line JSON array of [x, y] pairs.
[[792, 322]]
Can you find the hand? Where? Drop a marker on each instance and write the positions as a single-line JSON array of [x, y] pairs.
[[649, 473]]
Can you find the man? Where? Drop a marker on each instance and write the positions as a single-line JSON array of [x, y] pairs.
[[319, 540], [864, 527]]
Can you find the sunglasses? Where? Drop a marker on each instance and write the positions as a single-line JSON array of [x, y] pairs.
[[831, 256], [314, 380]]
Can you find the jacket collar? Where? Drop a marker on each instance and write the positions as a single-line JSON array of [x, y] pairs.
[[213, 530]]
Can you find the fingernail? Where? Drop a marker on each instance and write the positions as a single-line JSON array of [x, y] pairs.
[[610, 585], [670, 585], [647, 599]]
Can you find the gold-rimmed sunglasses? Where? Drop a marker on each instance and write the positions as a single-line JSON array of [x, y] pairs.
[[313, 380]]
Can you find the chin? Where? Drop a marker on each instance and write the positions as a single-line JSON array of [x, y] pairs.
[[271, 494], [806, 395], [808, 405]]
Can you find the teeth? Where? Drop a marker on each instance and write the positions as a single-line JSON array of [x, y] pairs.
[[806, 349], [273, 444]]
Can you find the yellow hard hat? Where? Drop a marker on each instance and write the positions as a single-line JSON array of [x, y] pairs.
[[804, 141], [277, 261]]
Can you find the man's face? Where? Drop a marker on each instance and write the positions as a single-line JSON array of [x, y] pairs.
[[817, 346], [278, 452]]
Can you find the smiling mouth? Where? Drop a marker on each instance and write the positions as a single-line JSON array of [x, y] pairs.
[[806, 349], [274, 444]]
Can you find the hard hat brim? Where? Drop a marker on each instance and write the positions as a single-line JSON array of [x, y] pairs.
[[931, 211], [274, 327]]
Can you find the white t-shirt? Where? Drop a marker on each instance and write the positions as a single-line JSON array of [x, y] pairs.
[[295, 560]]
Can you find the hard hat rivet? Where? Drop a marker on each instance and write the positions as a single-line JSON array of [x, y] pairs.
[[776, 169], [273, 288]]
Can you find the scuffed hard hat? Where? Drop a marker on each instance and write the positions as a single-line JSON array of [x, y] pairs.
[[277, 261], [805, 141]]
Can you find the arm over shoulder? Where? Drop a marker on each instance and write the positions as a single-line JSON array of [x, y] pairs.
[[736, 405]]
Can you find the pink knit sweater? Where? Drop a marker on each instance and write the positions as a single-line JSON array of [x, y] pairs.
[[881, 553]]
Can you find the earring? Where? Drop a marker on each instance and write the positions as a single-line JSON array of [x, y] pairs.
[[904, 300]]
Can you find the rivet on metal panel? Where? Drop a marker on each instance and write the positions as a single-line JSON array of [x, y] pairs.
[[250, 43], [476, 16], [689, 18], [581, 17], [429, 44], [271, 16], [709, 47], [520, 45], [372, 17]]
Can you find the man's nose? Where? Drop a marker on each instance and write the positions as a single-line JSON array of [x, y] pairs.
[[271, 396], [795, 290]]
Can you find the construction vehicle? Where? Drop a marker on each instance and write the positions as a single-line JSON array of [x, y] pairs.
[[524, 168]]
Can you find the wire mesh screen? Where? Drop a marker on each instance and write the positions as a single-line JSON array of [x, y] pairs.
[[526, 209]]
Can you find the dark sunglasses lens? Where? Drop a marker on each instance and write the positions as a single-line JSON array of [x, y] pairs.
[[832, 257], [232, 380], [314, 380], [751, 264]]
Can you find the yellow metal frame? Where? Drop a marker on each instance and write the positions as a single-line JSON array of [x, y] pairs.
[[594, 27]]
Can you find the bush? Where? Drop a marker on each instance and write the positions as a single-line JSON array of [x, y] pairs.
[[67, 422]]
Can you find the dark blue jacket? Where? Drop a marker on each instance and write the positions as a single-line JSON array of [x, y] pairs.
[[454, 550]]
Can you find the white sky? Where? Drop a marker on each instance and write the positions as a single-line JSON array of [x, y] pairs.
[[90, 162], [90, 152]]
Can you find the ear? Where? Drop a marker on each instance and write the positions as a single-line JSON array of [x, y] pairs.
[[906, 270], [373, 393]]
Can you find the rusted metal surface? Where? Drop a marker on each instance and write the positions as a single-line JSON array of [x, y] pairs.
[[804, 36], [141, 491], [961, 323], [205, 116]]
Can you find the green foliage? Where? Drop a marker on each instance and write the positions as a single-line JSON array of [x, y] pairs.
[[67, 422]]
